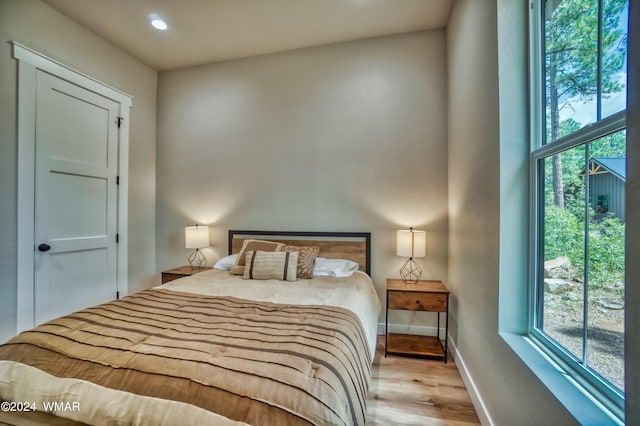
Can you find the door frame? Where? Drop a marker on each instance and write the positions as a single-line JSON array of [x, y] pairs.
[[29, 62]]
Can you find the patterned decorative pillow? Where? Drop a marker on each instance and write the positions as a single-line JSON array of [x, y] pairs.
[[306, 259], [249, 245], [266, 265]]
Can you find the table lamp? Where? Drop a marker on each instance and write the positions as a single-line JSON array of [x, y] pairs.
[[196, 237], [411, 243]]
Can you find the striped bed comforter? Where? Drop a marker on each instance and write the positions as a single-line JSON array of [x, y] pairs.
[[167, 357]]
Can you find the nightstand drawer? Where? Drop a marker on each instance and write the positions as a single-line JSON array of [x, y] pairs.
[[413, 301], [166, 277]]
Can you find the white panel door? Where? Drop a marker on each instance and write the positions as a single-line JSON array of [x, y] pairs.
[[75, 198]]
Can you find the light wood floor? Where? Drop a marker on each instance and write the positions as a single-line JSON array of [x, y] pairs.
[[411, 391]]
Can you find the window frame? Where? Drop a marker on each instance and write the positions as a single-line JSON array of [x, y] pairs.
[[607, 395]]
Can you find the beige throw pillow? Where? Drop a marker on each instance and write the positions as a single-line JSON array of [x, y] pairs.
[[253, 245], [264, 265]]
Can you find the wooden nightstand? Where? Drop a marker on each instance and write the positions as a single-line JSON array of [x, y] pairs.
[[430, 296], [183, 271]]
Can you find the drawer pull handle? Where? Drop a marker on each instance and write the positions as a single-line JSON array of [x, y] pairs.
[[417, 302]]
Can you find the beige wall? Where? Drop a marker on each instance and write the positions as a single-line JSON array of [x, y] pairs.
[[37, 26], [487, 222], [346, 137], [508, 389]]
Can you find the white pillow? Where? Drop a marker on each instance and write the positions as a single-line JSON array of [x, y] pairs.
[[226, 262], [334, 267]]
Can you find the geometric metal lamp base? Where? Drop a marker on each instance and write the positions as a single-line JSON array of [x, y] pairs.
[[411, 271], [197, 259]]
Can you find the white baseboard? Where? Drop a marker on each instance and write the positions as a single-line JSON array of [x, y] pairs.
[[476, 399]]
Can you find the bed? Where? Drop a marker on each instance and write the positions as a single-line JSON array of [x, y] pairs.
[[214, 348]]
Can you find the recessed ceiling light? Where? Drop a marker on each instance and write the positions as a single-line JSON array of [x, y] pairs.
[[157, 22]]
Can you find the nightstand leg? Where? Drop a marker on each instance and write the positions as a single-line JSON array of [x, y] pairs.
[[446, 332], [444, 349], [386, 325]]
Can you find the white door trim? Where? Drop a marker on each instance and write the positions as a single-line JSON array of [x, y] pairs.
[[28, 62]]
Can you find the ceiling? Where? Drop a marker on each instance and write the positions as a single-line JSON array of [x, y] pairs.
[[204, 31]]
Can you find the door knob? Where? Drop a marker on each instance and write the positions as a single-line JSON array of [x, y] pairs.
[[44, 247]]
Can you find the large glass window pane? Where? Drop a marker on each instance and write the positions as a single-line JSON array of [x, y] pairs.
[[614, 56], [605, 331], [571, 64], [582, 295], [585, 63], [563, 223]]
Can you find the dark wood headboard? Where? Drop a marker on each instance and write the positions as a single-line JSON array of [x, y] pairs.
[[355, 246]]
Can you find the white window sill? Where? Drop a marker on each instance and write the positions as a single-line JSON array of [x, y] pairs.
[[584, 408]]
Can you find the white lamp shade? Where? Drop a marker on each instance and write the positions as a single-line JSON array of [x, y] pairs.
[[196, 237], [411, 243]]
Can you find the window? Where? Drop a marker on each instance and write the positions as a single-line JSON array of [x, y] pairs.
[[578, 175], [602, 204]]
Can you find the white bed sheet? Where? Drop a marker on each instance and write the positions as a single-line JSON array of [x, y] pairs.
[[355, 293]]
